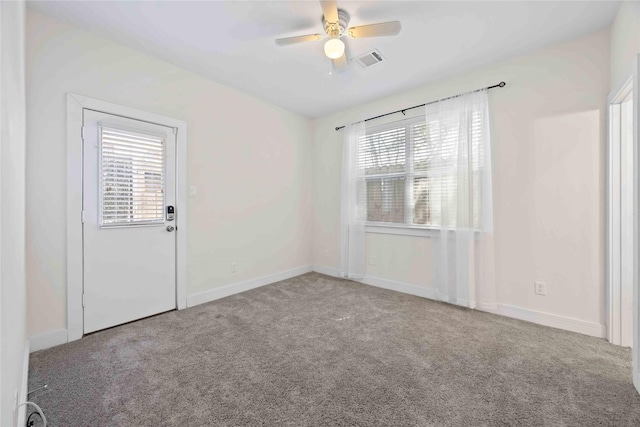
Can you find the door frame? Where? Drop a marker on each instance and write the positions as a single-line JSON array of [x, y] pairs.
[[614, 209], [76, 104], [636, 222]]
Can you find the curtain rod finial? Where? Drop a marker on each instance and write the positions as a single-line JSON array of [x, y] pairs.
[[502, 84]]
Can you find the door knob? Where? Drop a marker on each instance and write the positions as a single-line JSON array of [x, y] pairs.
[[170, 228]]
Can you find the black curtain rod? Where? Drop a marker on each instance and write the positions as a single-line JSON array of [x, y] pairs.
[[501, 84]]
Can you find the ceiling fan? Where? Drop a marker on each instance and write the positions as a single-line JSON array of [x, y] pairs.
[[335, 23]]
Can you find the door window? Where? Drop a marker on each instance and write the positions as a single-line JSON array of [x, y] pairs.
[[132, 175]]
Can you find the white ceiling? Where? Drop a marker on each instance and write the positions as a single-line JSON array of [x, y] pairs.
[[232, 42]]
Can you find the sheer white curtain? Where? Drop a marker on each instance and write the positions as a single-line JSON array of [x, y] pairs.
[[460, 199], [354, 204]]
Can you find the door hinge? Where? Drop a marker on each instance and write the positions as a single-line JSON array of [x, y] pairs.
[[83, 300], [82, 216], [82, 132]]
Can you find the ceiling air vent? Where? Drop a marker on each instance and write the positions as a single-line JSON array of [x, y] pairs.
[[369, 59]]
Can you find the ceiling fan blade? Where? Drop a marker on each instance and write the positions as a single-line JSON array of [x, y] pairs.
[[391, 28], [298, 39], [329, 10], [340, 64]]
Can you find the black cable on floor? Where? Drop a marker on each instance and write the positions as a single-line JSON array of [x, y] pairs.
[[29, 422]]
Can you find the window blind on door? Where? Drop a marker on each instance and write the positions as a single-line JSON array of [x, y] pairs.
[[132, 177]]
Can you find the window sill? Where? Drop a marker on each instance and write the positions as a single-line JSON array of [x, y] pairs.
[[407, 230], [402, 230]]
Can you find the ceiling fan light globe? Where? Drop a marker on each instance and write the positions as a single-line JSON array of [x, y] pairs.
[[334, 48]]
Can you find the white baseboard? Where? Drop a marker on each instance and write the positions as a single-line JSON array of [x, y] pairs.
[[236, 288], [379, 282], [405, 288], [48, 339], [547, 319], [485, 306], [60, 336], [329, 271], [57, 337], [555, 321]]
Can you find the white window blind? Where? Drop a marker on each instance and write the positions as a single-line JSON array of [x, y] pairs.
[[132, 175], [411, 170], [383, 158]]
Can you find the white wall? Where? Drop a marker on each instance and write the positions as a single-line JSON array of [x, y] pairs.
[[625, 40], [12, 193], [249, 160], [548, 133]]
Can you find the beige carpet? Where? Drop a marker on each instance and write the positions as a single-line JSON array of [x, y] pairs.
[[319, 351]]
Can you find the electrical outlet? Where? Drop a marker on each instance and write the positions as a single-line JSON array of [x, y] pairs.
[[540, 288], [234, 267], [372, 260], [193, 191]]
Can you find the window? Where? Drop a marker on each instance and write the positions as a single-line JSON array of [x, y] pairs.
[[411, 172], [132, 170]]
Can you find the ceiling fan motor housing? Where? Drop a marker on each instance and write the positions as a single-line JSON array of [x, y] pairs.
[[335, 29]]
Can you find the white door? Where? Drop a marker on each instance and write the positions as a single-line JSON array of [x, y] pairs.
[[129, 233]]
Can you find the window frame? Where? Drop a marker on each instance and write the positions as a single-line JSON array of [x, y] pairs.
[[409, 174], [158, 222], [407, 227]]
